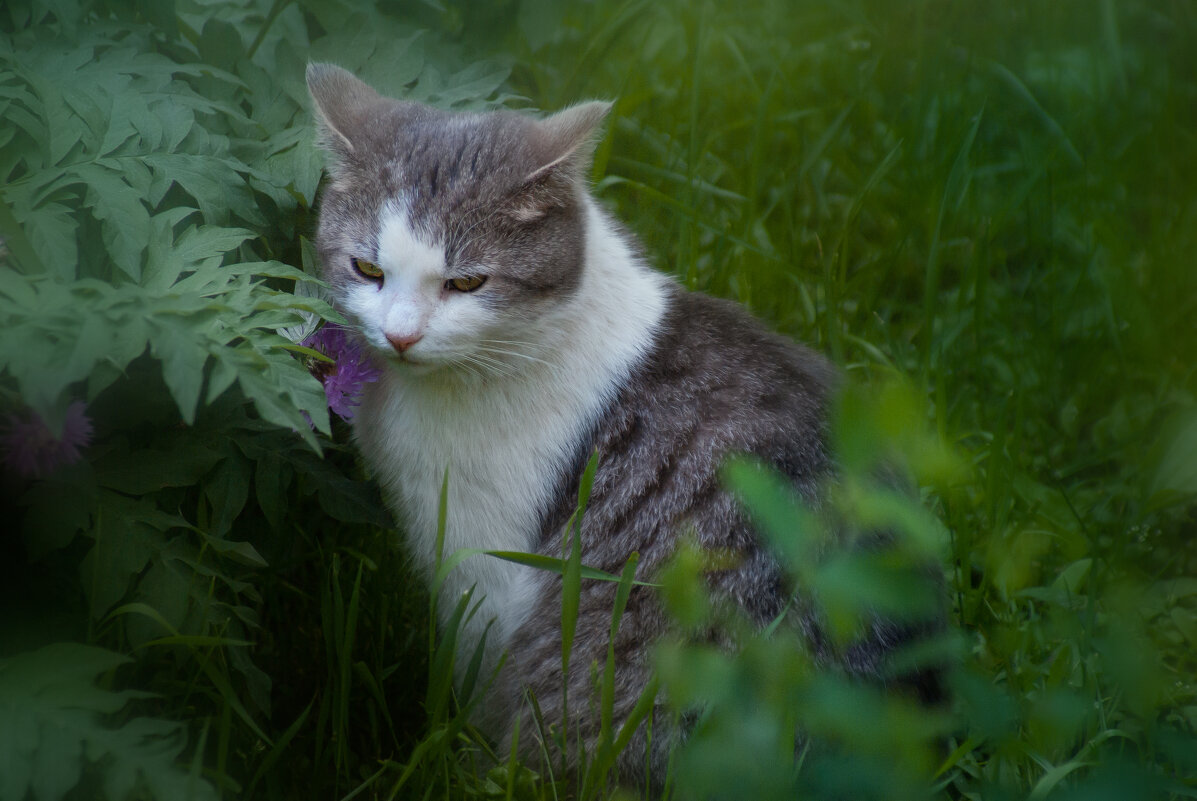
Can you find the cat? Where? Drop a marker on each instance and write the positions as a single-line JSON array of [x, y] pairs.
[[519, 330]]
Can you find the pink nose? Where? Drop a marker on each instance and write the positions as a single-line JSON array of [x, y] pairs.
[[402, 343]]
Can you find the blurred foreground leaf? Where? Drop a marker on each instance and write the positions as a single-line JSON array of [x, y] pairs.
[[53, 734]]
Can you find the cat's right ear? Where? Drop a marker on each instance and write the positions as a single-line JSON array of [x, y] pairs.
[[342, 103]]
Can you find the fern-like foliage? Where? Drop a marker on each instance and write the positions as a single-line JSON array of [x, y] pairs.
[[53, 734], [110, 137], [157, 178]]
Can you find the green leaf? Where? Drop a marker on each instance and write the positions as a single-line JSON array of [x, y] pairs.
[[279, 747], [199, 248], [465, 88], [550, 565], [440, 667], [51, 229], [57, 509], [121, 209], [16, 240], [215, 183], [227, 490], [295, 162], [212, 275], [243, 552], [280, 390], [350, 501], [50, 727], [144, 471], [1175, 472], [1072, 578], [775, 510], [147, 751], [271, 479], [220, 43], [540, 21], [183, 361], [122, 549]]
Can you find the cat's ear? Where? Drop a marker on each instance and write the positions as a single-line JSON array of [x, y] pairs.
[[564, 146], [567, 140], [342, 103]]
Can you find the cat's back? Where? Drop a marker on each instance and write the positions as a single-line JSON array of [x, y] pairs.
[[715, 382], [742, 386]]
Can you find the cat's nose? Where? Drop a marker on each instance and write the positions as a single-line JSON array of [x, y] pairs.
[[402, 343]]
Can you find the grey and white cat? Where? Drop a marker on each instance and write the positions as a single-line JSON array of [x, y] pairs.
[[520, 330]]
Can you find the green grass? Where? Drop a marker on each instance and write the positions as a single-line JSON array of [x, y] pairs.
[[987, 213]]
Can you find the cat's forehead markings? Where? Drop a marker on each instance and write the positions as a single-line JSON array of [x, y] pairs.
[[402, 248]]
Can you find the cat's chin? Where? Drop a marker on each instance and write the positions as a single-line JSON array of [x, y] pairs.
[[416, 367], [406, 364]]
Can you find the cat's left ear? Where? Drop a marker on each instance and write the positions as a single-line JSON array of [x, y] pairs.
[[563, 146], [567, 140]]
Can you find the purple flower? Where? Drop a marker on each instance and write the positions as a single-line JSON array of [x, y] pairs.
[[344, 377], [32, 450]]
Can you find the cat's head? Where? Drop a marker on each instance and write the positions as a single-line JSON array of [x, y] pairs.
[[448, 238]]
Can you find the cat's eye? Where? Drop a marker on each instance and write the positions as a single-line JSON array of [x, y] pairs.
[[467, 283], [366, 268]]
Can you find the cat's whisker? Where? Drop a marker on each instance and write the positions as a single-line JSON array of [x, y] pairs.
[[533, 359], [498, 366], [515, 343], [490, 346], [483, 366], [465, 366]]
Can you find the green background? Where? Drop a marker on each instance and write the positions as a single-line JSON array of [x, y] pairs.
[[985, 212]]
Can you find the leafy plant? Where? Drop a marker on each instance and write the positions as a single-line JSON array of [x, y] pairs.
[[53, 737], [158, 179]]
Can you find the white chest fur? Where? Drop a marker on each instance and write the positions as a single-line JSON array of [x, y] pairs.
[[506, 439]]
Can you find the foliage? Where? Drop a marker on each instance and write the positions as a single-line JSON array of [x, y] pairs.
[[159, 175], [50, 713], [993, 201], [996, 202]]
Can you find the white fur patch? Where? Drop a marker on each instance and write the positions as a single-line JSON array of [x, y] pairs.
[[507, 438], [405, 302], [410, 302]]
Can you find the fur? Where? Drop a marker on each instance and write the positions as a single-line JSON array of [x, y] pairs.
[[507, 439], [572, 344]]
